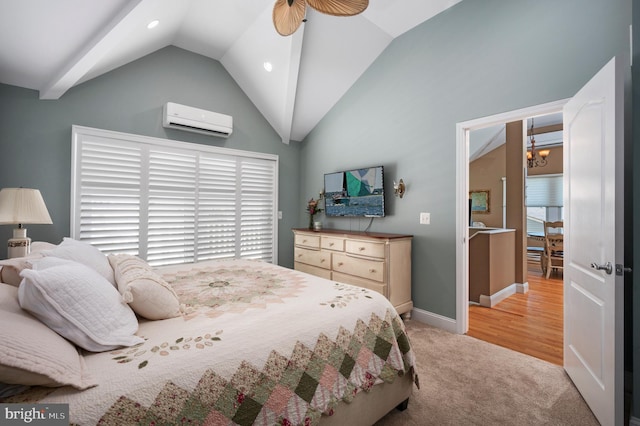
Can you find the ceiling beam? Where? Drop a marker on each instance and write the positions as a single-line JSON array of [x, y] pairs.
[[108, 38], [292, 84], [545, 129]]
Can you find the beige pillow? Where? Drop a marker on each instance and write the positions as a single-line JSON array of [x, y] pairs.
[[143, 289], [10, 268], [31, 353]]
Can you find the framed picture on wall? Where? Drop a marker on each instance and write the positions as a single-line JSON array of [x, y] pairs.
[[479, 201]]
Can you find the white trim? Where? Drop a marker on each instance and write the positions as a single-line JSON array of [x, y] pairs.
[[170, 143], [462, 191], [522, 288], [434, 320], [495, 298]]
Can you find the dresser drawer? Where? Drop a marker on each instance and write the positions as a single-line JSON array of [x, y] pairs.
[[313, 257], [369, 269], [365, 248], [307, 240], [332, 243]]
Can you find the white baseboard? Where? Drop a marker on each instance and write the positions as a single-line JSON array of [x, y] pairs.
[[494, 299], [434, 320], [522, 287], [449, 324]]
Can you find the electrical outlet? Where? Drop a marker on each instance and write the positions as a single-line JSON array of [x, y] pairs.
[[279, 215], [425, 218]]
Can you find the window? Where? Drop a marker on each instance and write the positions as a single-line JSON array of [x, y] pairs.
[[543, 201], [172, 202]]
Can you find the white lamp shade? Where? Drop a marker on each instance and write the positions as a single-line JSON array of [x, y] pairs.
[[23, 206]]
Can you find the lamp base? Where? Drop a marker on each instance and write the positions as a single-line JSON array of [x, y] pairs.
[[20, 244]]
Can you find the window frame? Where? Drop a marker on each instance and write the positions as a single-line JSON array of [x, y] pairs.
[[82, 135]]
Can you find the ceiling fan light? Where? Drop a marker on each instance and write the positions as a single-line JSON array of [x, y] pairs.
[[288, 15], [339, 7]]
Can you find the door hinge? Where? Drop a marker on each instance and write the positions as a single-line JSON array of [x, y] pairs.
[[620, 270]]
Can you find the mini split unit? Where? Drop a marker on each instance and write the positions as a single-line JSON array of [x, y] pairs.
[[196, 120]]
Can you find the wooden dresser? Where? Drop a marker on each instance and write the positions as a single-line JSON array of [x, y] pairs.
[[377, 261]]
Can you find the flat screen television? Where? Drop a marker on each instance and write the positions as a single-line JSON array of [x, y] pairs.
[[358, 192]]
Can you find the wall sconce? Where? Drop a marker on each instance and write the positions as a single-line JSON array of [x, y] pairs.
[[399, 188]]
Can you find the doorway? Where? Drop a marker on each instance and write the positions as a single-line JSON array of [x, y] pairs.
[[525, 315], [462, 203]]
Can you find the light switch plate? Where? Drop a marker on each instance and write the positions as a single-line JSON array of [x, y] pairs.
[[425, 218]]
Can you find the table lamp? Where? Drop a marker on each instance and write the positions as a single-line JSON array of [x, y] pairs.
[[21, 206]]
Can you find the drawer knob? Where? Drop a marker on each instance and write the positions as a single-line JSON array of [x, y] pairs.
[[330, 244], [304, 241], [322, 261], [361, 249], [340, 263], [372, 270]]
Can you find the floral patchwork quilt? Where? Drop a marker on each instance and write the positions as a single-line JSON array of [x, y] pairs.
[[256, 344]]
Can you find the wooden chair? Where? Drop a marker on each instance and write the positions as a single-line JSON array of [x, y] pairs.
[[553, 254]]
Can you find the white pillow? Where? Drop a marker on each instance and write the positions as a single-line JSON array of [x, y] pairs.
[[31, 353], [143, 289], [79, 304], [84, 253]]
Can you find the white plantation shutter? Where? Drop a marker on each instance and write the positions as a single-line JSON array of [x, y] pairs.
[[172, 202], [108, 204], [256, 206]]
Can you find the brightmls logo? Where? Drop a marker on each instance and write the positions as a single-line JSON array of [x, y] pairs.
[[34, 414]]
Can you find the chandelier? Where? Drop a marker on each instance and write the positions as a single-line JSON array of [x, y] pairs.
[[289, 14], [536, 158]]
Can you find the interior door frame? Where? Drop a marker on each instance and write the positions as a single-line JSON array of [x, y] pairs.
[[462, 195]]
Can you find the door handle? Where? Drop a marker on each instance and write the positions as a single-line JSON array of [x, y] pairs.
[[607, 267]]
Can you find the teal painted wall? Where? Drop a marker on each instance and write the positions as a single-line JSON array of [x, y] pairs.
[[476, 59], [35, 135]]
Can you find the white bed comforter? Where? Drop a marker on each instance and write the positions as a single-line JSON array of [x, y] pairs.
[[257, 344]]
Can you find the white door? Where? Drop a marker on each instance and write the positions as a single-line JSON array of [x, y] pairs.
[[593, 310]]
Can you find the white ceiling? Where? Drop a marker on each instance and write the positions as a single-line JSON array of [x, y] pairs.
[[51, 46], [482, 141]]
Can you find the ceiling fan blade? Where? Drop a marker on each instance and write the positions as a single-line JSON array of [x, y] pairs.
[[339, 7], [288, 15]]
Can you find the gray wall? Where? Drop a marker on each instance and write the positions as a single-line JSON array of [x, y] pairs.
[[35, 135], [476, 59]]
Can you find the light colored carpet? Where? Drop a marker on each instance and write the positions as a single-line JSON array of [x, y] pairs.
[[465, 381]]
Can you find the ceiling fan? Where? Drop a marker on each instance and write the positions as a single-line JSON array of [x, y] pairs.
[[289, 14]]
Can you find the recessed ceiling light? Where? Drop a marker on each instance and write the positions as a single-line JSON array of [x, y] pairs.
[[153, 24], [268, 66]]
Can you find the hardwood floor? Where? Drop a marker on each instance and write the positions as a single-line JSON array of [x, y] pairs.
[[530, 323]]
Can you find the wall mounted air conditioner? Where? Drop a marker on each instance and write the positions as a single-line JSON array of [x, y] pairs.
[[196, 120]]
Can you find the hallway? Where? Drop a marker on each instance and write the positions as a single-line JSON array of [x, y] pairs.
[[530, 323]]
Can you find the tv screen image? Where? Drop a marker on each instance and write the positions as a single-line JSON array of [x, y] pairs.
[[358, 192]]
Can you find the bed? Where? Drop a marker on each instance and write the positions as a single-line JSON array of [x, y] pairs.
[[244, 342]]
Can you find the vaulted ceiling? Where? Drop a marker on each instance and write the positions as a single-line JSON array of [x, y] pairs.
[[51, 46]]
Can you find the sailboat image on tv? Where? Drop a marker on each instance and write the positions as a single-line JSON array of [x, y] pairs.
[[358, 192]]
